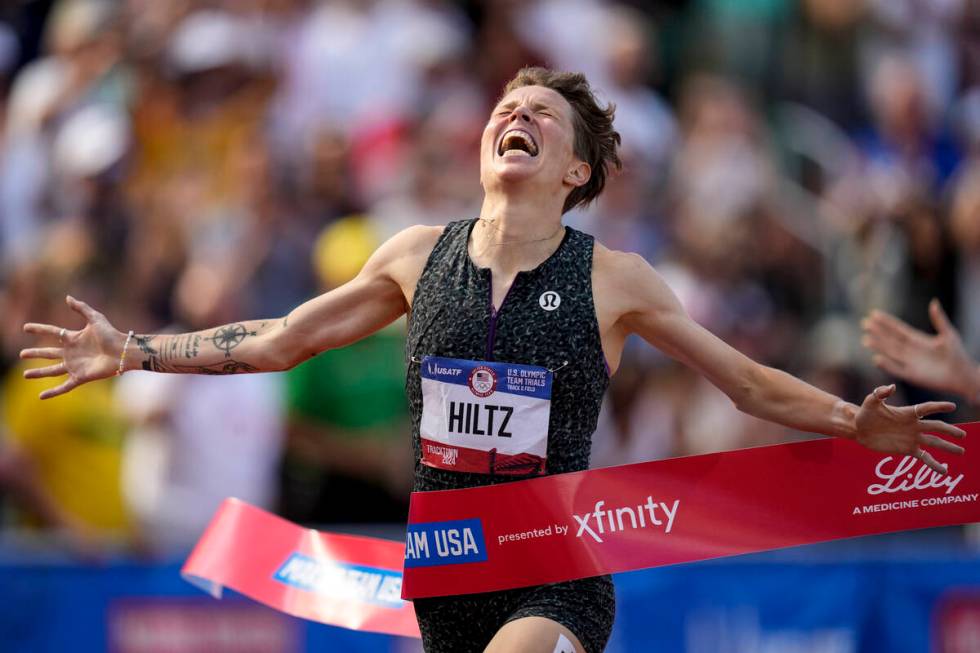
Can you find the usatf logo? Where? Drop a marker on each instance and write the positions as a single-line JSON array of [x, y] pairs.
[[456, 542], [337, 580], [483, 381], [898, 477], [437, 369]]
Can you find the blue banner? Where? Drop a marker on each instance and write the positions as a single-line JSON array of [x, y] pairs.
[[762, 604]]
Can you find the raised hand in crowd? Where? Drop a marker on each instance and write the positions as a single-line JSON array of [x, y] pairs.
[[936, 361]]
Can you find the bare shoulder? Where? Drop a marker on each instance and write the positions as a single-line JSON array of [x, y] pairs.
[[403, 256], [614, 263], [625, 282], [616, 271], [404, 249], [416, 241]]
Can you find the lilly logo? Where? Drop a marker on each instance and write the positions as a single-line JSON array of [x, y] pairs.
[[900, 478]]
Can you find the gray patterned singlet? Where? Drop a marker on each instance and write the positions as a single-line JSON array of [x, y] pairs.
[[453, 316]]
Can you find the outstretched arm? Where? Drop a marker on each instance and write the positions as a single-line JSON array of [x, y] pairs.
[[938, 362], [651, 310], [373, 299]]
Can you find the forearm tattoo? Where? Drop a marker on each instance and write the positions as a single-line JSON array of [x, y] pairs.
[[230, 336], [177, 354], [154, 364], [143, 342]]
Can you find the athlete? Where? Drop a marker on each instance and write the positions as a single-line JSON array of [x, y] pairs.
[[513, 286]]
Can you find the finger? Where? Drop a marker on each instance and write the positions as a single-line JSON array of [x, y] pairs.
[[935, 426], [86, 311], [891, 365], [69, 384], [939, 443], [882, 344], [932, 407], [892, 326], [885, 344], [42, 329], [896, 352], [872, 326], [50, 370], [883, 392], [43, 352], [931, 462], [939, 318]]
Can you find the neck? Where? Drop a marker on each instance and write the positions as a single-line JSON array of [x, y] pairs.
[[517, 217], [515, 234]]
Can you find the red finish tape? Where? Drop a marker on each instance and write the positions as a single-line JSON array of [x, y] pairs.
[[569, 526], [665, 512], [341, 580]]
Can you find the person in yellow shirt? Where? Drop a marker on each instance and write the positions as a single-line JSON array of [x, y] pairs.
[[73, 448]]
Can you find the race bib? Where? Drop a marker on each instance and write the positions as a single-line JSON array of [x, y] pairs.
[[485, 417]]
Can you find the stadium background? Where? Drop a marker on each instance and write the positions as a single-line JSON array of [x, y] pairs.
[[790, 165]]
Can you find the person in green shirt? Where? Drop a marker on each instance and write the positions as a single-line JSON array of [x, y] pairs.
[[346, 407]]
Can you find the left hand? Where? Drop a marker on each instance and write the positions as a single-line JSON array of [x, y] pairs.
[[901, 429]]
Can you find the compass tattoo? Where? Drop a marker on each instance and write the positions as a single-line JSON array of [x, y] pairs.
[[230, 336]]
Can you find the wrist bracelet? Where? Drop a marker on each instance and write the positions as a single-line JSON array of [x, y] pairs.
[[122, 356]]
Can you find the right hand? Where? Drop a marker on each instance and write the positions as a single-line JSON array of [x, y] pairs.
[[939, 362], [903, 429], [86, 355]]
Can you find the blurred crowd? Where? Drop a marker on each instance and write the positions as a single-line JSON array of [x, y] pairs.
[[789, 166]]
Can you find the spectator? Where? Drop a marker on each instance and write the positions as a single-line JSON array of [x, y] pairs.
[[71, 452], [347, 412], [197, 440]]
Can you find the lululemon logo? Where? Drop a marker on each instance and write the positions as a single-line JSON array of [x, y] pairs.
[[549, 300]]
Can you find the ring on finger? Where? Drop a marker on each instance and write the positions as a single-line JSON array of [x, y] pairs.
[[61, 334], [915, 409]]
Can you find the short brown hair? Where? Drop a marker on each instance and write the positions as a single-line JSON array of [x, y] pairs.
[[595, 139]]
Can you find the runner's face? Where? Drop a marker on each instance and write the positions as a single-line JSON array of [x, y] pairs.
[[530, 135]]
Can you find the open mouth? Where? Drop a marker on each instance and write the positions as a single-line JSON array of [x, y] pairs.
[[515, 141]]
